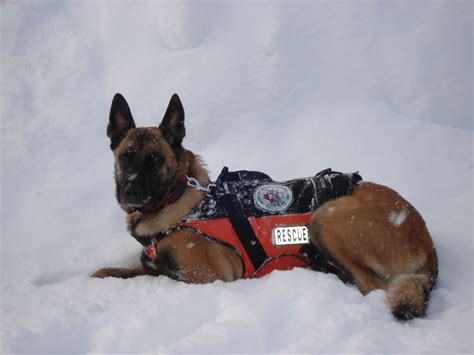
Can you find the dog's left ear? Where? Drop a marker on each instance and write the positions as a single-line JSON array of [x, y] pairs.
[[172, 125]]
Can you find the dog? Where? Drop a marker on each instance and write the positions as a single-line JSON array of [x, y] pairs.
[[368, 234]]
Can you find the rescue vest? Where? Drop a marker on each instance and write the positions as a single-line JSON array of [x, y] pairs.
[[265, 222]]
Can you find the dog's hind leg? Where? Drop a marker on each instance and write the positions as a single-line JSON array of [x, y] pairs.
[[123, 273], [383, 243], [364, 277]]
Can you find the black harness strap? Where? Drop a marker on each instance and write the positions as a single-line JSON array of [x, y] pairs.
[[144, 241], [243, 229]]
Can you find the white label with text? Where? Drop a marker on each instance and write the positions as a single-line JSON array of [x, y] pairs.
[[289, 235]]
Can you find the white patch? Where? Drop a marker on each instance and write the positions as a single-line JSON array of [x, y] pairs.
[[151, 264], [190, 245], [132, 177], [397, 218], [273, 197], [331, 209]]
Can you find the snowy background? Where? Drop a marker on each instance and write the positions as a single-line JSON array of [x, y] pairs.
[[288, 88]]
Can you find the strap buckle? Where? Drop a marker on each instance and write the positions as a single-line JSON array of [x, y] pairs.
[[150, 250]]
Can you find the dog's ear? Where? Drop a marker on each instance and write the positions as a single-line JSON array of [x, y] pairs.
[[172, 125], [120, 120]]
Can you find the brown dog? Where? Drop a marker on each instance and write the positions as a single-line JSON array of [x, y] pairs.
[[373, 236]]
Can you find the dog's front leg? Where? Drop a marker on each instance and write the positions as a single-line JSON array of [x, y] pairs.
[[146, 225], [185, 256], [122, 273]]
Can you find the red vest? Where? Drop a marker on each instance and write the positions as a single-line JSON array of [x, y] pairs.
[[264, 204], [279, 257]]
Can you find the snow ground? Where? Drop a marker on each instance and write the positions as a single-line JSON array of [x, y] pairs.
[[286, 88]]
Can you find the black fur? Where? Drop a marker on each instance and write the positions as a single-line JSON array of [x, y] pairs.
[[166, 266], [322, 261], [120, 120], [405, 312], [172, 126], [146, 164]]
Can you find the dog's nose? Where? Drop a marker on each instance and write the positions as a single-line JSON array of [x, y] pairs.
[[133, 193]]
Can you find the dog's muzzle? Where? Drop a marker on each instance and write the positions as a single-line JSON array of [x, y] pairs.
[[134, 195]]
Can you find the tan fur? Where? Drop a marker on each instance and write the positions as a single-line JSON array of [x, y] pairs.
[[200, 260], [363, 234], [409, 290]]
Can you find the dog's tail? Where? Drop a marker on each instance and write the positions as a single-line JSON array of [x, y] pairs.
[[408, 294]]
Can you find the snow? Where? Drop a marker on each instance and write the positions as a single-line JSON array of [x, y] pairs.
[[287, 88], [132, 177], [397, 218]]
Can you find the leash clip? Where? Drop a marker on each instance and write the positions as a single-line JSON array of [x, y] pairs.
[[210, 189], [193, 182]]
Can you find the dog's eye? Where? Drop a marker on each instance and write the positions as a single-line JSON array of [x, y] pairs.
[[125, 158], [155, 158]]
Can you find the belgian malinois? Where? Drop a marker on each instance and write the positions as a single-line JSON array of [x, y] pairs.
[[373, 234]]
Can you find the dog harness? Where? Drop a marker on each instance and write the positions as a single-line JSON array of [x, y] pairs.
[[264, 221]]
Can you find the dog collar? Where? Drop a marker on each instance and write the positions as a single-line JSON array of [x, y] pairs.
[[171, 197]]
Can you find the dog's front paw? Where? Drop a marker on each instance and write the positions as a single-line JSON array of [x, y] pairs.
[[101, 273], [143, 225], [122, 273], [149, 224], [146, 225]]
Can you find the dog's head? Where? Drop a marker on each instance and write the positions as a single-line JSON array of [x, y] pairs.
[[147, 160]]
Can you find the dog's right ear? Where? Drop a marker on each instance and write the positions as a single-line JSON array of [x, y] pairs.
[[120, 120]]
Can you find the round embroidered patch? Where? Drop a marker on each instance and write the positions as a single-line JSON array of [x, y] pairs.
[[273, 197]]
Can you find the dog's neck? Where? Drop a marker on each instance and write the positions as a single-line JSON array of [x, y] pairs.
[[146, 224], [172, 195]]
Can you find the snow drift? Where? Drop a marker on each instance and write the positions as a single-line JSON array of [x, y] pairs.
[[384, 88]]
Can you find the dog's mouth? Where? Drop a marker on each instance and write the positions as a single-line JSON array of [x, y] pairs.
[[146, 202], [153, 200]]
